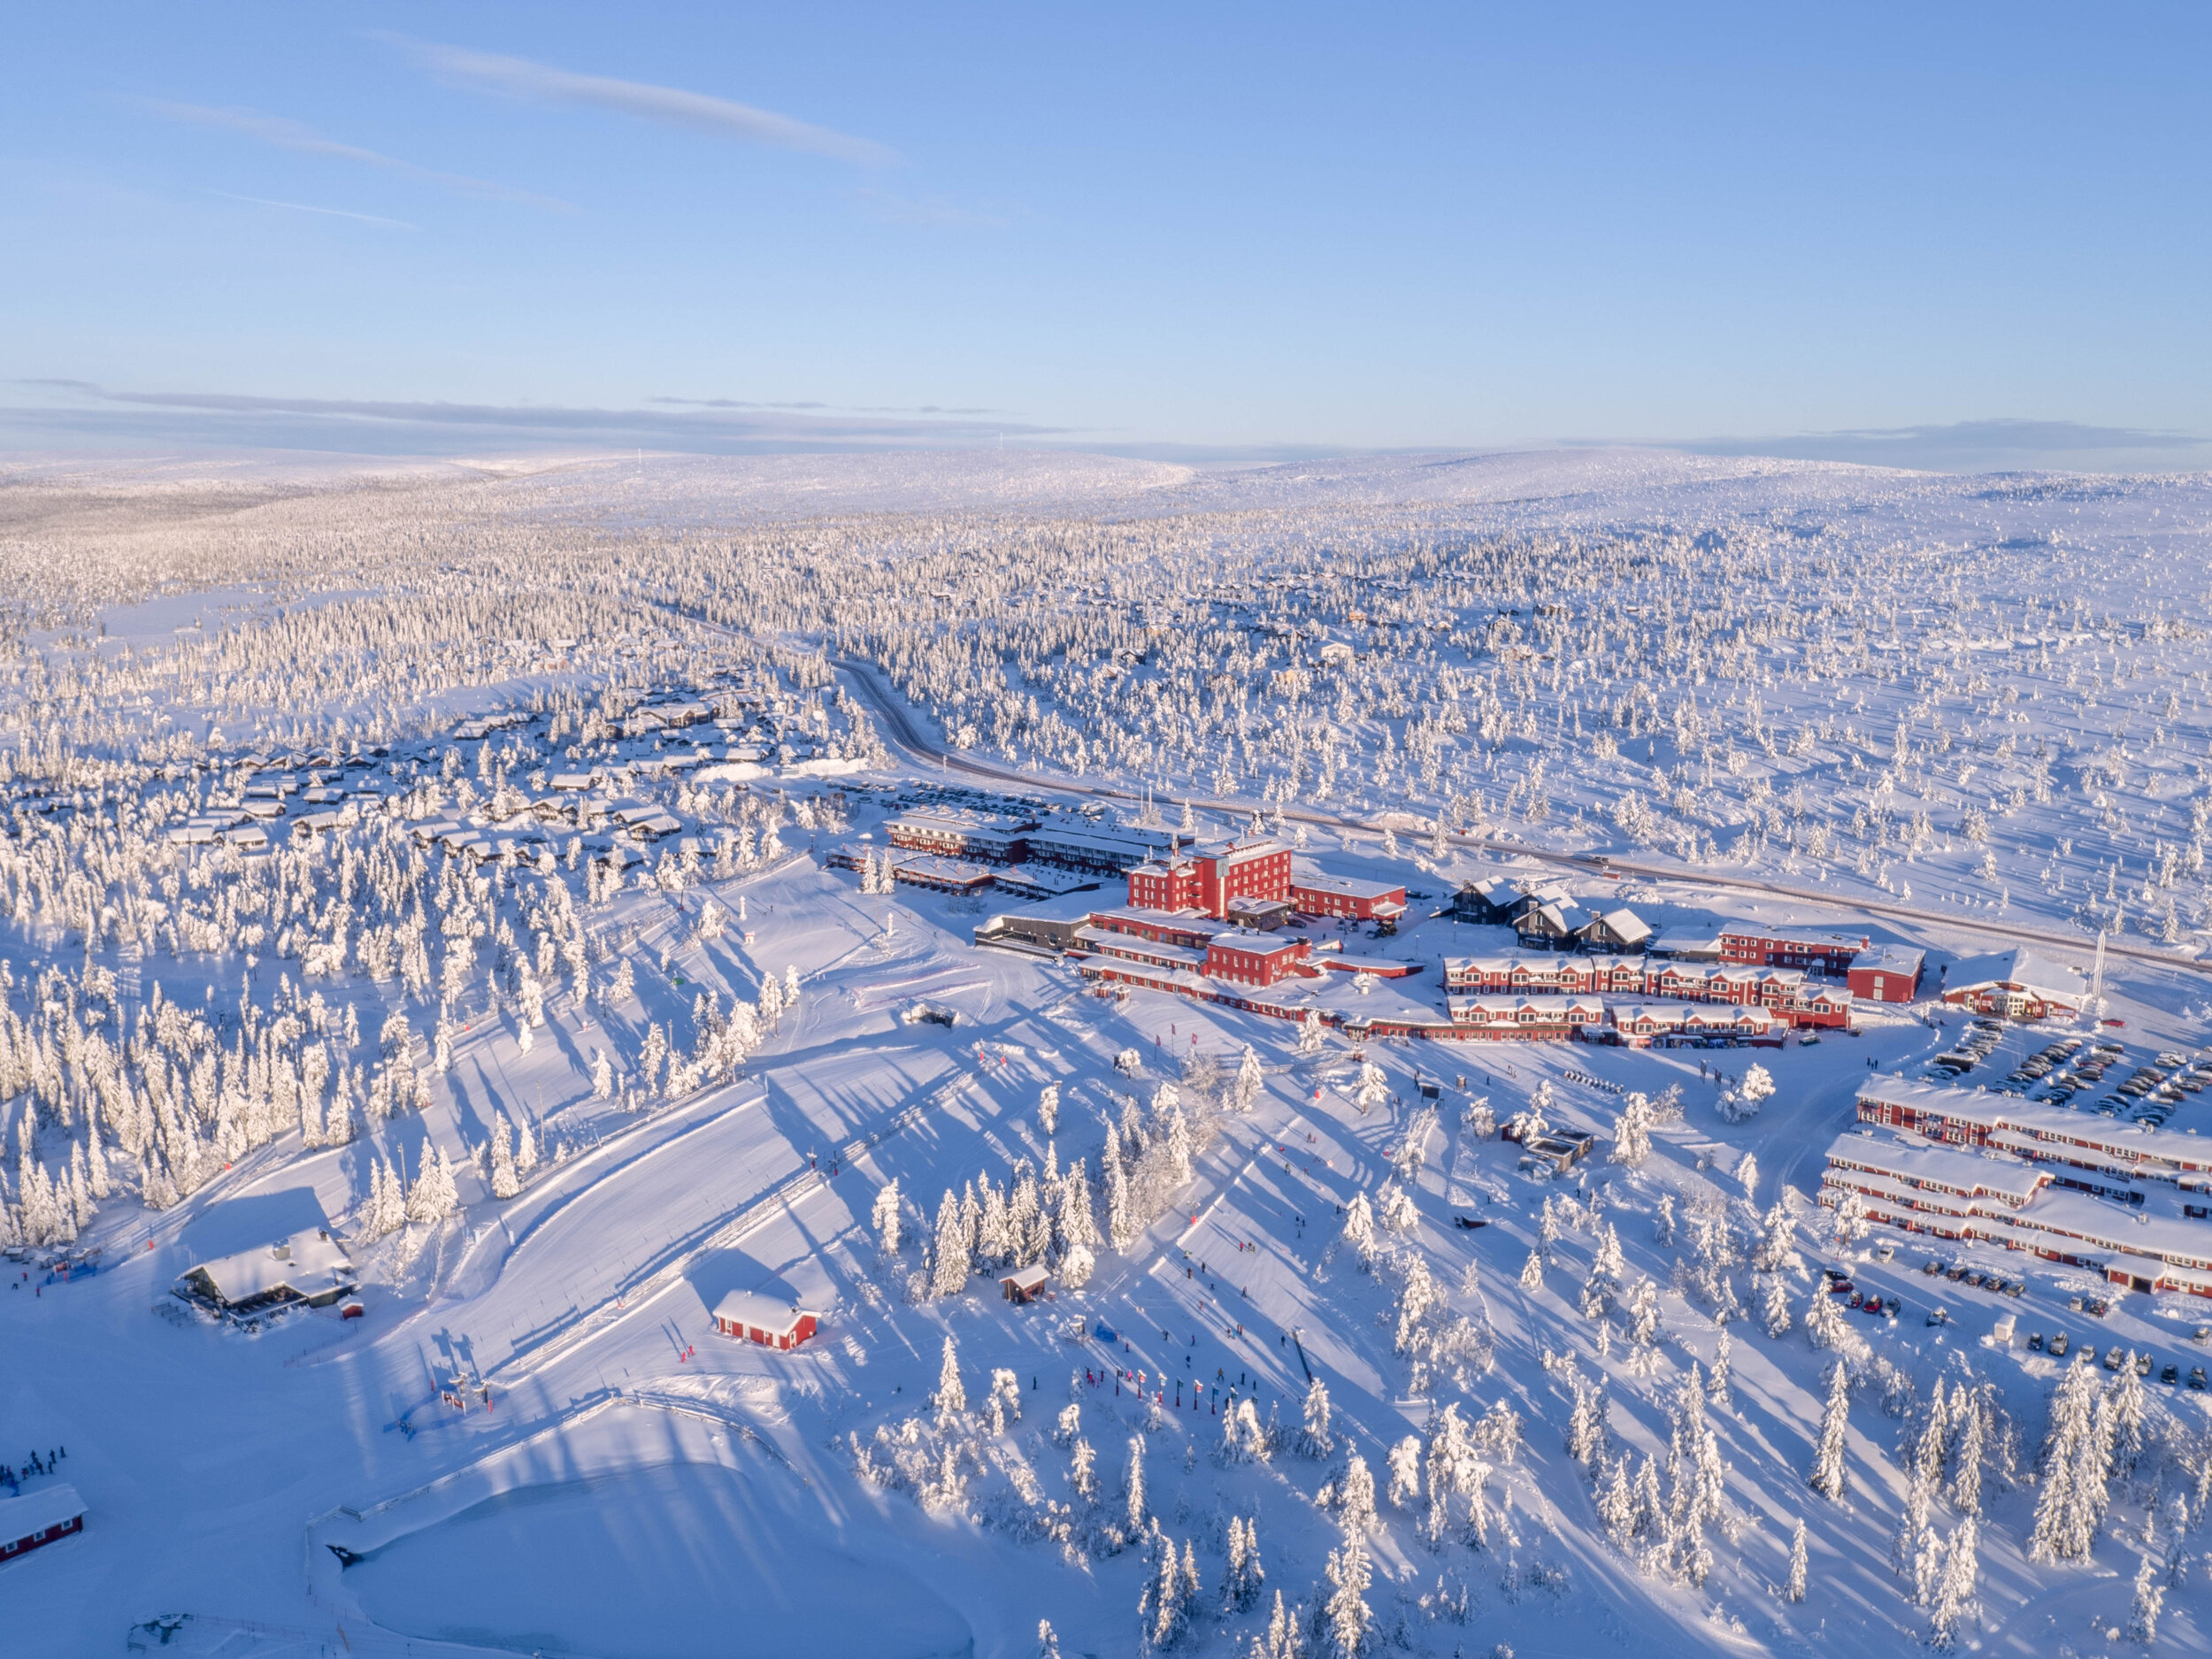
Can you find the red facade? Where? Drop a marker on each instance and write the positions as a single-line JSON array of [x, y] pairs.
[[11, 1548], [802, 1329], [1207, 878]]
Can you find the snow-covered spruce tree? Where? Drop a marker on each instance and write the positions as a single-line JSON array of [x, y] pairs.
[[1169, 1597], [1374, 1088], [1955, 1596], [2074, 1463], [1794, 1589], [1405, 1472], [951, 1398], [884, 1218], [1632, 1135], [1347, 1622], [1049, 1109], [1312, 1035], [1135, 1510], [1826, 1477], [1747, 1177], [1244, 1578], [1354, 1492], [949, 1273], [1398, 1213], [1315, 1439], [1359, 1230], [1777, 1249], [1533, 1272], [1740, 1102], [434, 1197], [2149, 1599], [506, 1183], [1249, 1080]]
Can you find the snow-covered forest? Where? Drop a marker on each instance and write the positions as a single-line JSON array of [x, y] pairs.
[[439, 858]]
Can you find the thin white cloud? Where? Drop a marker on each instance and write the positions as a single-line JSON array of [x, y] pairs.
[[697, 111], [286, 133], [303, 207]]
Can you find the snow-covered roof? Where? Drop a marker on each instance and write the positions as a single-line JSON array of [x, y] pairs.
[[309, 1262], [1941, 1169], [2053, 1132], [35, 1511], [753, 1310], [1889, 959], [1026, 1279], [1625, 925], [1349, 887], [2022, 968]]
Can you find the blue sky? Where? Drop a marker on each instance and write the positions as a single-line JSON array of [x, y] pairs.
[[1969, 236]]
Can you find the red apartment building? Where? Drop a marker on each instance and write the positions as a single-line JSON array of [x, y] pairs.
[[1769, 948], [1207, 877]]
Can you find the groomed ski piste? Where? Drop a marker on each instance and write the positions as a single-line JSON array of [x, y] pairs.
[[1625, 1410]]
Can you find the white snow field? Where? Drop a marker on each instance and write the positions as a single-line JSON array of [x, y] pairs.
[[456, 861]]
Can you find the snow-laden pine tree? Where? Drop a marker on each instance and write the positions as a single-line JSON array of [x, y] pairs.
[[2128, 1412], [1955, 1594], [1285, 1636], [951, 1398], [1794, 1589], [885, 1219], [1533, 1272], [1249, 1080], [1967, 1460], [435, 1196], [1244, 1578], [1826, 1477], [1355, 1495], [948, 1271], [505, 1184], [2150, 1594], [1346, 1621], [1359, 1229], [1316, 1440], [1405, 1472], [1049, 1109], [2073, 1469], [1776, 1249], [1312, 1035], [1135, 1510], [1632, 1135]]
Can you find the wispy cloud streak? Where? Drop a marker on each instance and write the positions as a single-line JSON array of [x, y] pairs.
[[303, 207], [285, 133], [672, 106]]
